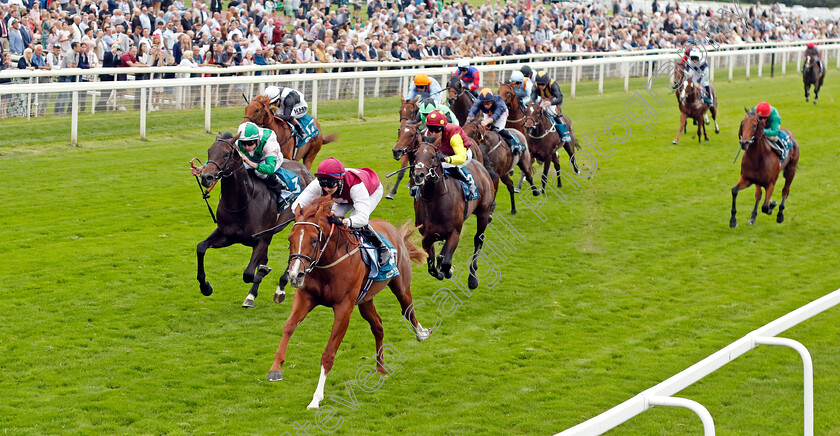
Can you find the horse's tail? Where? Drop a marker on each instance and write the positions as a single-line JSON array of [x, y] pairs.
[[330, 138], [415, 254]]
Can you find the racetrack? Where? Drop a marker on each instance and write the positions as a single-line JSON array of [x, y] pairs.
[[633, 278]]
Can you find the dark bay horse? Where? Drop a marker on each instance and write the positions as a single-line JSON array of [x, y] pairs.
[[812, 75], [409, 113], [544, 140], [327, 268], [761, 166], [246, 207], [440, 209], [498, 153], [260, 112], [690, 99], [460, 99], [516, 120]]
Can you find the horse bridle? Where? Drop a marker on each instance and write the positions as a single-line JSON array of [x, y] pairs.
[[417, 140], [510, 105], [221, 168], [431, 173], [321, 248], [449, 88], [415, 114], [540, 124]]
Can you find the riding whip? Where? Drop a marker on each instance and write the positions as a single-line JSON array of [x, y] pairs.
[[397, 171], [736, 155], [280, 226]]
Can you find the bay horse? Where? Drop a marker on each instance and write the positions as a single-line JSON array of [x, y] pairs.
[[761, 166], [812, 74], [409, 113], [327, 268], [516, 120], [440, 210], [498, 153], [460, 100], [245, 208], [544, 141], [260, 112], [690, 99]]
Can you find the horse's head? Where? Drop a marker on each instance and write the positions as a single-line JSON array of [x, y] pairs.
[[535, 117], [307, 239], [506, 91], [426, 164], [475, 130], [751, 130], [258, 111], [409, 112], [408, 140], [222, 159], [455, 88]]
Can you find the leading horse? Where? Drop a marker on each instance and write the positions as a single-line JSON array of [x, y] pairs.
[[327, 268], [440, 210], [812, 74], [260, 112], [246, 207], [761, 166], [409, 113], [690, 99], [516, 120]]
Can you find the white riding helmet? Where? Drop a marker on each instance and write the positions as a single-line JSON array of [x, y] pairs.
[[272, 92], [694, 53], [517, 77], [463, 64]]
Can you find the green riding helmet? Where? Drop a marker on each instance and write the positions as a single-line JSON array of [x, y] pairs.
[[249, 132], [426, 106]]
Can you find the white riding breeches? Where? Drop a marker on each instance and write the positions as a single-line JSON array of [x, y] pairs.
[[500, 122], [342, 209]]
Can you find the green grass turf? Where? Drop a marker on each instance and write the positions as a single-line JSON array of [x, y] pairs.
[[632, 279]]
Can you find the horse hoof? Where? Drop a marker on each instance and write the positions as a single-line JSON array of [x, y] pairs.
[[264, 270], [780, 218], [439, 276], [515, 190], [279, 296], [513, 211], [815, 101], [275, 376], [390, 196], [717, 130], [206, 289], [752, 221], [248, 303], [423, 334], [472, 282], [733, 224], [674, 142]]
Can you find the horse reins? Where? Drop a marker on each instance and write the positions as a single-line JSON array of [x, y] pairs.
[[313, 263], [547, 131]]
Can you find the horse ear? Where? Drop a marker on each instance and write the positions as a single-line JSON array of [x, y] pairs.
[[415, 99], [403, 100], [746, 110], [238, 134]]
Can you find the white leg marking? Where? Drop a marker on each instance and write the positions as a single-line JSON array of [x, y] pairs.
[[319, 391]]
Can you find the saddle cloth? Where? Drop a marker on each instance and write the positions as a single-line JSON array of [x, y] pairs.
[[783, 146], [293, 188], [371, 258], [310, 130]]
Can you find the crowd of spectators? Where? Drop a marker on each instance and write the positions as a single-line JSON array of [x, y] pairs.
[[51, 34]]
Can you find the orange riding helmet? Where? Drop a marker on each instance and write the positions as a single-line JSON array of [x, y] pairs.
[[422, 80]]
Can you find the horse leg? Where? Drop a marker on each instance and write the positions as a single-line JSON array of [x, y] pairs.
[[447, 252], [342, 313], [215, 240], [301, 306], [429, 248], [368, 312], [713, 110], [403, 163], [755, 208], [256, 270], [742, 183], [790, 171], [280, 292], [807, 89], [403, 293], [556, 160], [526, 165], [509, 183], [816, 91], [768, 205], [570, 150], [705, 136], [683, 118], [483, 220]]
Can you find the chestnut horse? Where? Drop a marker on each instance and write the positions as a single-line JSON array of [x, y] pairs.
[[260, 112], [246, 207], [812, 75], [690, 99], [440, 210], [327, 268], [516, 120], [544, 141], [761, 166], [409, 113], [498, 153], [460, 99]]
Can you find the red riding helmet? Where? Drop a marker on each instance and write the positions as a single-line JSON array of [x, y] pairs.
[[763, 109], [436, 118], [332, 168], [811, 45]]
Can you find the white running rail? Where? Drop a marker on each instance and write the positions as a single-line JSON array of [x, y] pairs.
[[662, 394]]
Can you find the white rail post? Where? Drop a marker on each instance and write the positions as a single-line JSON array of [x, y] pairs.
[[207, 89], [315, 98], [838, 59], [784, 62], [93, 102], [574, 80], [798, 62], [626, 77], [808, 375], [650, 71], [143, 103], [28, 106], [760, 63], [711, 69], [361, 98], [705, 416], [74, 119], [731, 59], [749, 58], [376, 87], [601, 80]]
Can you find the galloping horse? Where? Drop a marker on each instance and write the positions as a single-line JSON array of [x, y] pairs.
[[440, 210], [246, 207], [409, 113], [498, 153], [812, 75], [460, 99], [516, 120], [690, 98], [259, 112], [327, 268], [761, 166], [544, 141]]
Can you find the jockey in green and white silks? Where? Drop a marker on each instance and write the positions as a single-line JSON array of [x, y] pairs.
[[426, 106], [261, 152]]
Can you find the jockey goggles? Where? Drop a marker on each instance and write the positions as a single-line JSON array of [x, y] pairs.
[[435, 129], [328, 182]]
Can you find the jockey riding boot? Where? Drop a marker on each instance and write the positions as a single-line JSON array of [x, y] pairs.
[[561, 126], [513, 143], [384, 253], [275, 184], [298, 128], [708, 96], [460, 174]]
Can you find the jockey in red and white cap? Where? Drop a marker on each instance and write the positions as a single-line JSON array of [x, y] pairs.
[[814, 52], [356, 191]]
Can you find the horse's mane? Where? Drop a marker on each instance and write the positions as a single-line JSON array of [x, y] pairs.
[[313, 209], [262, 98], [226, 135]]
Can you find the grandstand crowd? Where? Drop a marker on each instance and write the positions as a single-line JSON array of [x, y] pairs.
[[53, 34]]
